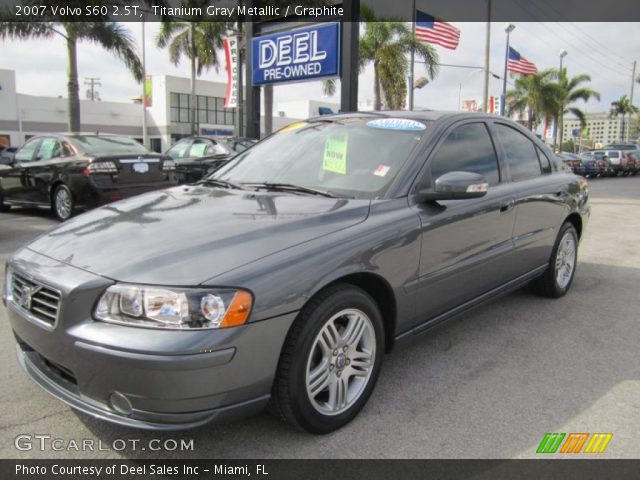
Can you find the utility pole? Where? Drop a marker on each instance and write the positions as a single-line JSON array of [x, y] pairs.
[[145, 139], [633, 82], [487, 53], [92, 83]]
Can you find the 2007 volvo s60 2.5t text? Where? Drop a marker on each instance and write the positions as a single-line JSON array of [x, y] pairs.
[[286, 275]]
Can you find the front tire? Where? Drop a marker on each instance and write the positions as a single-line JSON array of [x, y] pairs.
[[62, 203], [557, 279], [330, 361]]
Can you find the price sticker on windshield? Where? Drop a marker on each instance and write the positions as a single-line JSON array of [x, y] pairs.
[[335, 155]]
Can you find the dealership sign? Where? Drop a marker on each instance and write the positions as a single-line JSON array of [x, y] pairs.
[[231, 56], [302, 54]]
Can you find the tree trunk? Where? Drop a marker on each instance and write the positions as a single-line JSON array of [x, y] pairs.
[[377, 104], [192, 101], [560, 125], [622, 127], [73, 98], [268, 109]]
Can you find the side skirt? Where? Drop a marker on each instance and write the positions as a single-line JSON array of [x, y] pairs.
[[497, 292]]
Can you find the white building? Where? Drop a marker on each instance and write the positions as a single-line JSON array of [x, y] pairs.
[[600, 126], [22, 116]]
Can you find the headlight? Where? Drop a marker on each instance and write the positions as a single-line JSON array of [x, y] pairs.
[[8, 285], [173, 308]]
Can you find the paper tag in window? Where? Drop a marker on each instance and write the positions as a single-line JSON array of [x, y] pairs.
[[335, 155], [381, 170]]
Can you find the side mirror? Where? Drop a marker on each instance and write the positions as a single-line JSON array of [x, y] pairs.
[[455, 186]]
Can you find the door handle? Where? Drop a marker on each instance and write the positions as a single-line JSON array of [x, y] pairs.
[[507, 206]]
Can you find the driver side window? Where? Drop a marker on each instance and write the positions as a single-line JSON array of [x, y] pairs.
[[468, 148]]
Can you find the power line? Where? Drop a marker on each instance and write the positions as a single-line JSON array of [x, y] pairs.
[[581, 31], [566, 41]]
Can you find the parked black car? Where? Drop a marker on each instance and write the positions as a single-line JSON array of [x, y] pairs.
[[240, 144], [68, 172], [286, 275], [196, 157]]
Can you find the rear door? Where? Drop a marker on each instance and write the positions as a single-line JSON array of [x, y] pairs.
[[540, 193]]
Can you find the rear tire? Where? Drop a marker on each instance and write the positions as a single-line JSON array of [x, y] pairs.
[[62, 203], [558, 277], [330, 360]]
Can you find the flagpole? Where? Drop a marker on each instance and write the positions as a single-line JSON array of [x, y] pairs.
[[413, 55], [487, 53], [508, 30]]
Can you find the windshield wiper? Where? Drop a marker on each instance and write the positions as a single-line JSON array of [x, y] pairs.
[[220, 183], [290, 188]]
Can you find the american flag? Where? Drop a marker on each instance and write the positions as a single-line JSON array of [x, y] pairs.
[[518, 64], [431, 30]]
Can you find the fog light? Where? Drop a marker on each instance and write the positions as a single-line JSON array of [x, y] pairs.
[[120, 404]]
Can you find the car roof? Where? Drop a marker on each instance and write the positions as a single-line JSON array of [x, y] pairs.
[[429, 115]]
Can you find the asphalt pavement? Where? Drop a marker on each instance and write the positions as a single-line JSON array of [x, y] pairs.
[[487, 385]]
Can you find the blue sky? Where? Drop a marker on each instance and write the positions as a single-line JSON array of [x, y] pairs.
[[603, 50]]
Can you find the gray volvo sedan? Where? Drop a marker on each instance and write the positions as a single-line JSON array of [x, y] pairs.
[[284, 277]]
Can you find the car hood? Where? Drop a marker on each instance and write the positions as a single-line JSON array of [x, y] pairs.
[[186, 235]]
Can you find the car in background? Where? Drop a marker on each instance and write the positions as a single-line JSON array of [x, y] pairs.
[[70, 172], [6, 155], [240, 144], [196, 157], [631, 160], [621, 146], [616, 159], [592, 167], [573, 161]]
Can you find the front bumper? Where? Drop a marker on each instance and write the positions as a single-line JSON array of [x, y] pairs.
[[171, 379]]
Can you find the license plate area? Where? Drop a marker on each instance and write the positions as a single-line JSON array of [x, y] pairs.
[[140, 167]]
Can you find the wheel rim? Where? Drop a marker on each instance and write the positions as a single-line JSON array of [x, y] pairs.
[[63, 203], [565, 259], [340, 362]]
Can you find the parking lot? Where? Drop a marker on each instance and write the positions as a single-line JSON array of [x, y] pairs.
[[488, 385]]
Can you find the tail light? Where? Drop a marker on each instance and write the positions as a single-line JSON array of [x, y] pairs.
[[100, 167], [169, 165]]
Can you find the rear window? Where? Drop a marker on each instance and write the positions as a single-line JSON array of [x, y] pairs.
[[96, 145], [614, 154]]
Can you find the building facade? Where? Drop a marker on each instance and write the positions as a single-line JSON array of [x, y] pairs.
[[601, 128], [23, 116]]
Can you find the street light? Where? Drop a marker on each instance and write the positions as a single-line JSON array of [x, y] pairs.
[[563, 53], [508, 31], [464, 80]]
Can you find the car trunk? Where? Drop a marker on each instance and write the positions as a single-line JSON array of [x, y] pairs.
[[125, 170]]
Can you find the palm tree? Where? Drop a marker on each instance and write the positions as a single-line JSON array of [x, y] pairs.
[[112, 36], [537, 95], [569, 93], [623, 107], [197, 40], [386, 45]]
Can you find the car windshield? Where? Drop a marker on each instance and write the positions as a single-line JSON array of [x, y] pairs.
[[105, 145], [351, 156]]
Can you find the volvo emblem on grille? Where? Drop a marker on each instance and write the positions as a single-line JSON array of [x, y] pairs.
[[26, 295]]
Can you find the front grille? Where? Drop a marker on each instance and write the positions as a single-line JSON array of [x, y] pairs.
[[39, 300]]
